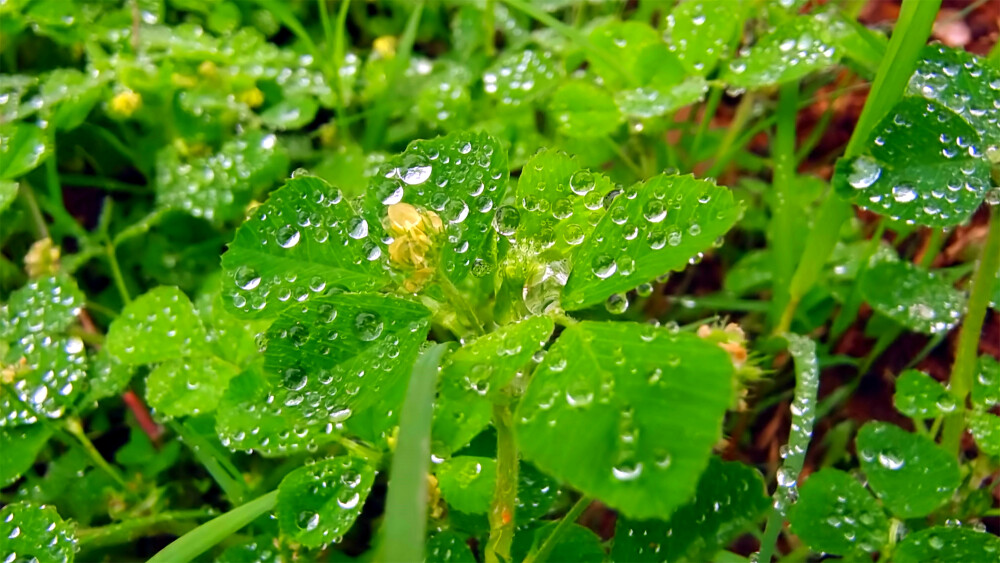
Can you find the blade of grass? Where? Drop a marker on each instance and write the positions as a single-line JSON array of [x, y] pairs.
[[204, 537], [783, 216], [502, 509], [553, 539], [375, 128], [215, 462], [406, 503]]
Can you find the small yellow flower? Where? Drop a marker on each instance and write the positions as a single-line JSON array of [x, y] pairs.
[[183, 80], [385, 46], [328, 133], [42, 259], [10, 373], [413, 231], [125, 103], [208, 69], [435, 503], [252, 97]]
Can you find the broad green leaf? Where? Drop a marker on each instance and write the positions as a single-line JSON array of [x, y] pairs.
[[918, 395], [966, 84], [20, 447], [730, 498], [305, 238], [141, 456], [67, 95], [910, 473], [461, 177], [184, 387], [160, 325], [521, 75], [23, 146], [653, 228], [448, 547], [659, 99], [33, 532], [444, 101], [919, 300], [577, 544], [922, 164], [8, 193], [836, 515], [986, 385], [581, 109], [477, 371], [949, 544], [107, 377], [650, 401], [220, 186], [256, 550], [701, 32], [985, 428], [467, 482], [290, 113], [537, 493], [44, 306], [49, 373], [324, 361], [318, 503], [796, 48]]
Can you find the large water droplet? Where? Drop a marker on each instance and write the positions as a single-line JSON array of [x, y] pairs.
[[368, 326]]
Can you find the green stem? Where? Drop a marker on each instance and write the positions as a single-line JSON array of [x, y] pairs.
[[489, 26], [561, 528], [74, 428], [964, 369], [461, 304], [140, 227], [116, 273], [218, 465], [743, 113], [624, 157], [849, 308], [202, 538], [376, 126], [405, 525], [933, 247], [783, 215], [132, 529], [710, 108], [37, 219], [502, 510]]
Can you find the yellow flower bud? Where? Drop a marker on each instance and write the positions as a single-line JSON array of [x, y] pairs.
[[385, 46], [42, 259], [125, 103], [413, 231], [208, 69], [252, 97]]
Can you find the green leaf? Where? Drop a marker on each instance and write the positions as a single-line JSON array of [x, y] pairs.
[[305, 238], [20, 446], [537, 494], [448, 547], [947, 545], [50, 373], [220, 186], [67, 95], [985, 428], [521, 75], [919, 300], [701, 32], [43, 306], [461, 177], [918, 395], [966, 84], [794, 49], [184, 387], [651, 402], [653, 228], [923, 164], [318, 503], [477, 371], [909, 472], [140, 455], [108, 377], [33, 532], [577, 544], [986, 386], [836, 515], [655, 100], [581, 109], [467, 482], [23, 146], [324, 361], [256, 550], [290, 113], [160, 325], [638, 50], [730, 498], [8, 193]]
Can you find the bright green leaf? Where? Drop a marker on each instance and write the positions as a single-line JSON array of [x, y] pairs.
[[581, 109], [43, 306], [32, 532], [730, 497], [910, 473], [701, 32], [947, 545], [448, 547], [655, 100], [290, 113], [107, 377], [184, 387], [537, 494], [919, 300], [305, 238], [918, 395], [577, 544], [23, 146], [256, 550], [985, 428], [467, 482], [20, 447], [651, 402], [923, 163], [836, 515], [67, 95], [651, 229], [519, 76], [986, 385], [8, 193], [160, 325], [318, 503], [50, 372], [639, 54]]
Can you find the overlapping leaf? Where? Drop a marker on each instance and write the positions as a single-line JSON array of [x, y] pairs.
[[184, 387], [583, 110], [950, 544], [20, 445], [318, 503], [918, 395], [917, 299], [627, 413], [23, 146], [702, 31], [467, 482], [160, 325], [521, 75], [30, 531], [835, 514]]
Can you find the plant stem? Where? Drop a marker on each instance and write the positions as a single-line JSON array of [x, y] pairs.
[[710, 108], [964, 369], [405, 525], [849, 308], [553, 539], [783, 215], [129, 530], [502, 510], [116, 273], [202, 538], [74, 428], [376, 126], [489, 13], [218, 465], [461, 304], [743, 112], [37, 219]]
